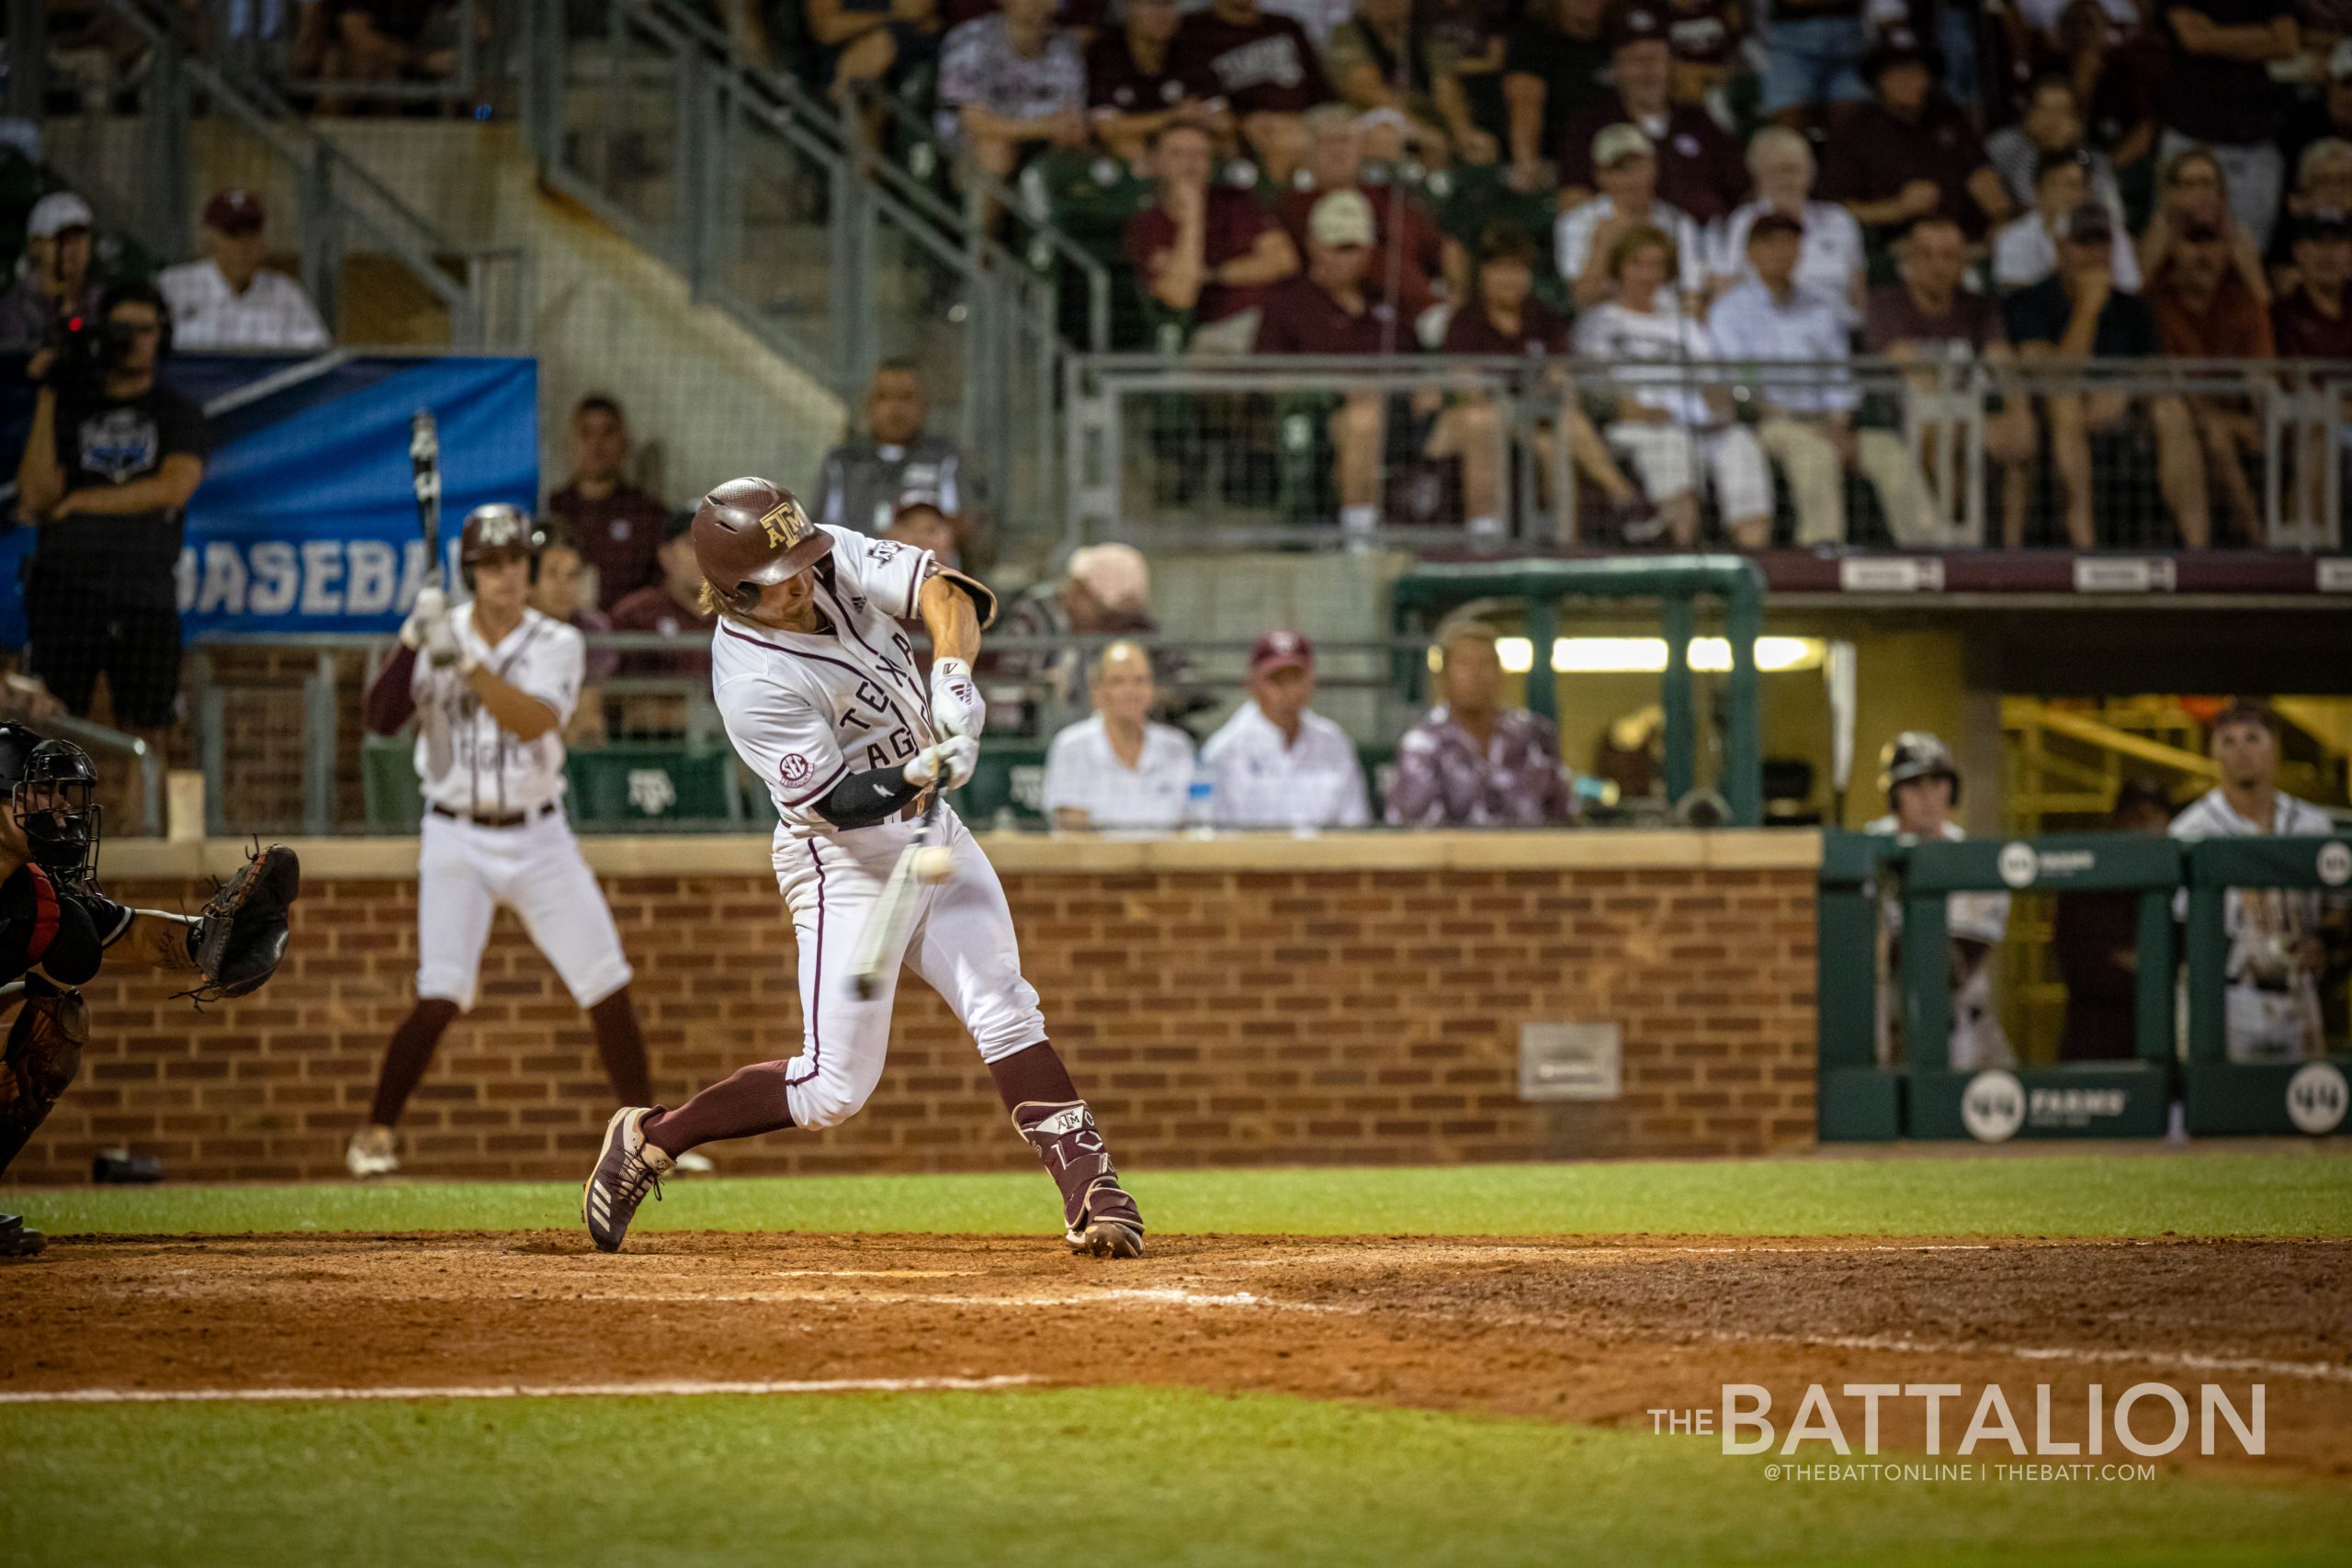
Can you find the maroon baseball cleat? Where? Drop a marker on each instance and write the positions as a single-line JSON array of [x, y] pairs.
[[627, 1168], [1099, 1216]]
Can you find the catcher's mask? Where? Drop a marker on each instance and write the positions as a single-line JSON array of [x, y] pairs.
[[51, 787]]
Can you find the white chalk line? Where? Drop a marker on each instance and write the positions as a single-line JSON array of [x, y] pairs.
[[660, 1387], [1163, 1297]]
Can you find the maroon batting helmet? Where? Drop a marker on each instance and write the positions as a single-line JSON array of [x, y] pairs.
[[749, 533], [497, 529]]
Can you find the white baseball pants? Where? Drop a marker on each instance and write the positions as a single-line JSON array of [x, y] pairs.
[[961, 941], [536, 870]]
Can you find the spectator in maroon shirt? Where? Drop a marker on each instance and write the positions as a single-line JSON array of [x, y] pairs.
[[1555, 65], [2314, 322], [1333, 309], [1427, 259], [1205, 250], [1269, 70], [1910, 151], [2204, 310], [618, 525], [1503, 317], [1379, 63], [671, 607], [1701, 170], [1134, 86]]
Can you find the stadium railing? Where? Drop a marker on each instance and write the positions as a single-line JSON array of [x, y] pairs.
[[135, 162], [274, 728], [1199, 452]]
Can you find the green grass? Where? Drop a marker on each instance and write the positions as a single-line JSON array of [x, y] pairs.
[[1107, 1475], [2270, 1194]]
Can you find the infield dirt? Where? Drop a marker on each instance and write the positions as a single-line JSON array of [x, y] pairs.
[[1596, 1330]]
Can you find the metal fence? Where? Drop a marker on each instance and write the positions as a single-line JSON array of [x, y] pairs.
[[377, 269], [832, 249], [274, 728], [1204, 451]]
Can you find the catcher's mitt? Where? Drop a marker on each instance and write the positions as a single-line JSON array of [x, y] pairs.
[[240, 936]]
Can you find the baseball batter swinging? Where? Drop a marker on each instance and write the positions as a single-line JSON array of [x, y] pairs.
[[819, 690], [495, 682]]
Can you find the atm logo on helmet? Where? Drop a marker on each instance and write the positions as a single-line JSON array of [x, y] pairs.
[[786, 525]]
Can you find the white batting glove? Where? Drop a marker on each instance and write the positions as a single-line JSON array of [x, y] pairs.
[[441, 645], [952, 759], [432, 608], [956, 706]]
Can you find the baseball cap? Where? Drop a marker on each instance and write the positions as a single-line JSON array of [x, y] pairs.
[[1115, 574], [917, 501], [1638, 24], [234, 212], [55, 213], [1618, 142], [1773, 223], [2089, 224], [1340, 217], [1280, 650], [1900, 46]]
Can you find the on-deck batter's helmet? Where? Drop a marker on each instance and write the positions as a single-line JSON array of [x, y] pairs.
[[750, 534], [1915, 754], [49, 784], [497, 529]]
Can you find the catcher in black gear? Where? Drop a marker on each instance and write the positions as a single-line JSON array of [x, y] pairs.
[[56, 929]]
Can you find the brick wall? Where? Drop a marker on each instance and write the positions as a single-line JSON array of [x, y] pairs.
[[1218, 1008]]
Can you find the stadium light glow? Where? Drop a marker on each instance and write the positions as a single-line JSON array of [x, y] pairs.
[[1647, 655]]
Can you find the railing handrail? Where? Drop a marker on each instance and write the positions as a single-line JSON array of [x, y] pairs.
[[259, 110]]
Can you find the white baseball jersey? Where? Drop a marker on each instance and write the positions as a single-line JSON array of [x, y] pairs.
[[1266, 781], [2272, 1003], [273, 312], [1082, 773], [1978, 1040], [474, 766], [807, 709], [469, 761]]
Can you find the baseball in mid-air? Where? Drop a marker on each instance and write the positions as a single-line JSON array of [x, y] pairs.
[[932, 863]]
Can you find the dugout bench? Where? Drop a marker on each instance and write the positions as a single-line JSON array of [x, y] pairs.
[[1860, 1099]]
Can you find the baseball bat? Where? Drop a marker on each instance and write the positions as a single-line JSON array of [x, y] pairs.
[[425, 475], [425, 472], [885, 934]]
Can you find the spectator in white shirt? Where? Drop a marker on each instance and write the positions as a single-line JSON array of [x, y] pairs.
[[1808, 422], [229, 300], [2025, 249], [1671, 414], [1278, 763], [1624, 165], [1118, 769], [1831, 263]]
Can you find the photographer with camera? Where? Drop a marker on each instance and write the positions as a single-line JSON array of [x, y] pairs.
[[59, 237], [113, 457]]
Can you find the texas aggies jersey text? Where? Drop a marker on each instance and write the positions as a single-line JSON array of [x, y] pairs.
[[810, 708]]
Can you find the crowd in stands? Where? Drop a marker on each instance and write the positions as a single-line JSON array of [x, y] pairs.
[[2130, 181]]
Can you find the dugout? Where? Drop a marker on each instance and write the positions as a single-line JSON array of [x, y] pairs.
[[1863, 1099]]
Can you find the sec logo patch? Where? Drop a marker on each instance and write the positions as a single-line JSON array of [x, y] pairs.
[[795, 767]]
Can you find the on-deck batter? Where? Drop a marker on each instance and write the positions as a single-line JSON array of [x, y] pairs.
[[821, 692], [495, 682]]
